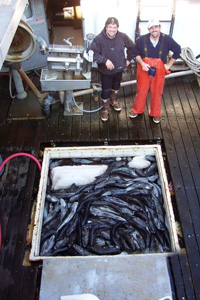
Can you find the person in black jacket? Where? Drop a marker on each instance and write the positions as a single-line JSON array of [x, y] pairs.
[[113, 51]]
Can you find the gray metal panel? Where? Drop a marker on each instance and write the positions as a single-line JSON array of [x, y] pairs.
[[10, 15], [51, 80], [38, 23], [64, 85], [120, 277]]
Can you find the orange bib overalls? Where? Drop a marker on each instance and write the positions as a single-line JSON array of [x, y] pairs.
[[156, 84]]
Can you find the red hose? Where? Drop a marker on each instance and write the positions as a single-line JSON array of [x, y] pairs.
[[20, 154], [3, 164]]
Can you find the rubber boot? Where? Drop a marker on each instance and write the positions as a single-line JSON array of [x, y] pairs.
[[113, 101], [104, 113]]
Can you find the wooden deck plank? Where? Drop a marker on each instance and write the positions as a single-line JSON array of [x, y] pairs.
[[177, 278], [53, 121], [85, 119], [144, 126], [132, 124], [76, 129], [11, 136], [143, 123], [11, 221], [196, 94], [4, 129], [193, 119], [104, 131], [154, 128], [184, 101], [175, 98], [5, 98], [21, 132], [178, 132], [18, 268], [113, 125], [40, 137], [66, 132], [95, 120], [122, 120], [169, 127], [181, 146], [183, 211], [29, 136], [168, 106], [30, 289], [186, 212], [191, 153], [191, 238], [188, 283]]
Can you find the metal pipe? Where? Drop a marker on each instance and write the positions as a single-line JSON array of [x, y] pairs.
[[84, 92], [21, 94], [47, 103], [131, 82], [68, 101], [42, 44], [177, 74]]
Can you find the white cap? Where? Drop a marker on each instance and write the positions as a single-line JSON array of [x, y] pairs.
[[153, 22]]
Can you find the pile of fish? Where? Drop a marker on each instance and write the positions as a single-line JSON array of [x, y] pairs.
[[122, 211]]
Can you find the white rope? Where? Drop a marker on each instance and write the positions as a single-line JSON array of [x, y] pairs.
[[192, 62]]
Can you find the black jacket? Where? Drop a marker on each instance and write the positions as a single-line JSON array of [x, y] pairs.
[[113, 49]]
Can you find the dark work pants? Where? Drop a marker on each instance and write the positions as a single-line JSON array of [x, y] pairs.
[[110, 82]]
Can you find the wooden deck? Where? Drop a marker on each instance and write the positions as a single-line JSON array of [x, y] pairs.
[[179, 135]]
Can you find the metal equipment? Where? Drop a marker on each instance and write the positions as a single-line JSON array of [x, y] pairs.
[[69, 68], [36, 18], [29, 41], [21, 49]]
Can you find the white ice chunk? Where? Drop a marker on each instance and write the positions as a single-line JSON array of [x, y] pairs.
[[139, 162], [80, 297], [63, 177]]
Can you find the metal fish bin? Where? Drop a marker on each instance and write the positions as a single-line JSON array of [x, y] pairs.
[[101, 153]]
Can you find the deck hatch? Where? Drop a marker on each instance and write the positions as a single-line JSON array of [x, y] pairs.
[[102, 152]]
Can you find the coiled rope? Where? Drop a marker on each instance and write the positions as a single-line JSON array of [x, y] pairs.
[[193, 63]]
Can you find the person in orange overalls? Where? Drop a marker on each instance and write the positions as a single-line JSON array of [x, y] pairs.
[[151, 50]]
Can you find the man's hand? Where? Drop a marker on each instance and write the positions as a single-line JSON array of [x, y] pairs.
[[169, 64], [127, 63], [109, 65], [145, 67], [167, 67]]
